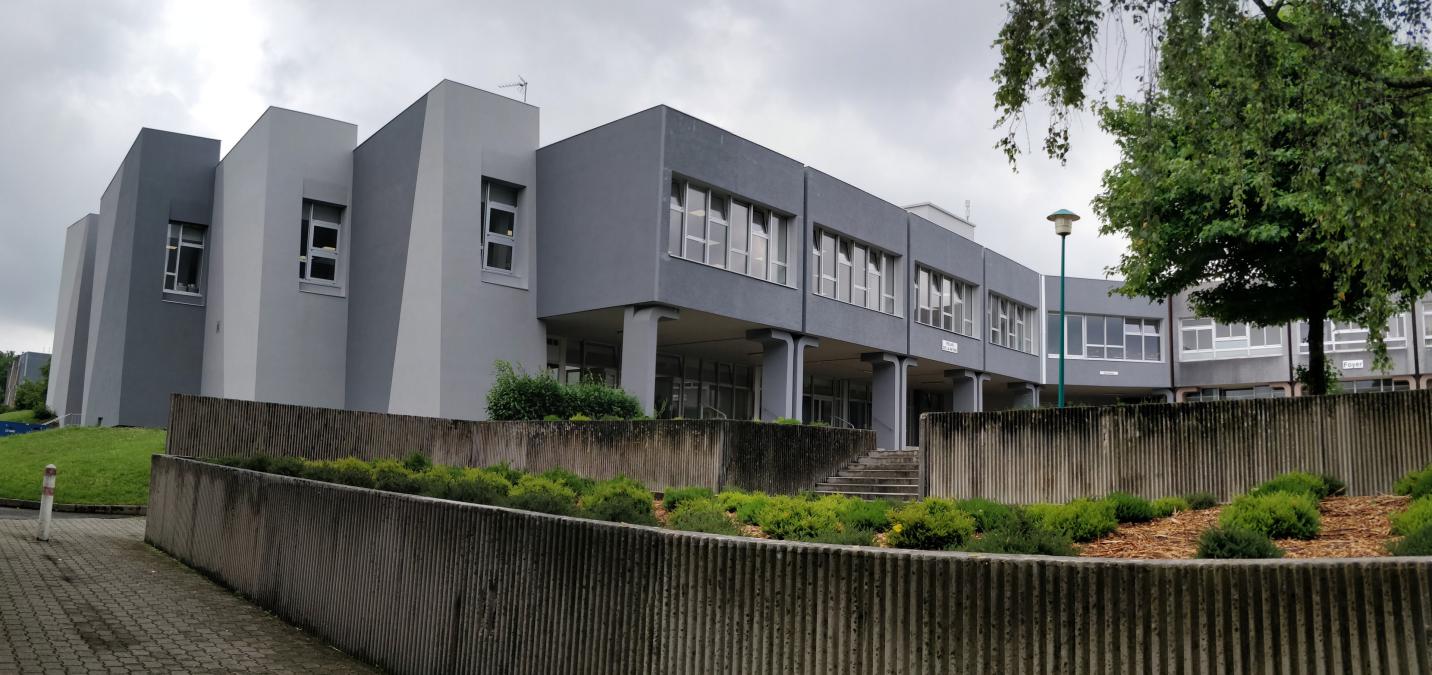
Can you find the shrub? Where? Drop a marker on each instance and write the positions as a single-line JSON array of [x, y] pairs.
[[796, 518], [1167, 506], [620, 500], [1416, 516], [1277, 515], [675, 496], [351, 471], [535, 493], [1335, 486], [1081, 520], [1199, 501], [702, 515], [516, 395], [931, 524], [1224, 543], [437, 481], [552, 418], [1130, 508], [1294, 482], [843, 537], [579, 417], [786, 420], [390, 475], [578, 484], [1020, 534], [1417, 543], [417, 462], [318, 470], [746, 505], [506, 471], [861, 514], [988, 514], [1416, 484], [596, 400], [478, 486]]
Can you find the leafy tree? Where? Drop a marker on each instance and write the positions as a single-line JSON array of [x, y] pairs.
[[1278, 162], [30, 395], [6, 358]]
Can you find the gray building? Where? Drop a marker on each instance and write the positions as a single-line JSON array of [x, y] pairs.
[[701, 271], [27, 367]]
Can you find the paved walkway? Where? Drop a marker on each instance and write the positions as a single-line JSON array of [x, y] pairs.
[[97, 599]]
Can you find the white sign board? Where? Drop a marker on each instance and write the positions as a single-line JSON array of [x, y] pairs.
[[1352, 363], [950, 346], [1108, 372]]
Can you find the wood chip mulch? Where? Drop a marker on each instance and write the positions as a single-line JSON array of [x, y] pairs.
[[1352, 527]]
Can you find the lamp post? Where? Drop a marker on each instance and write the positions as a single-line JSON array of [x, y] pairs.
[[1063, 220]]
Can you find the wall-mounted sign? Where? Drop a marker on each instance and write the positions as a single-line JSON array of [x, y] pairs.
[[950, 346], [1108, 372], [1352, 363]]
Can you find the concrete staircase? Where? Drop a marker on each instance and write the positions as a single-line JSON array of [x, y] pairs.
[[882, 474]]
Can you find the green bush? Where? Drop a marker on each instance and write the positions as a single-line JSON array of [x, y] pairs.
[[1020, 534], [1167, 506], [1199, 501], [1295, 482], [1416, 516], [1277, 515], [1130, 508], [596, 400], [1416, 484], [702, 515], [861, 514], [506, 471], [478, 486], [675, 496], [1335, 486], [346, 471], [796, 518], [578, 484], [931, 524], [988, 514], [417, 462], [746, 505], [843, 537], [1225, 543], [535, 493], [393, 476], [1417, 543], [786, 420], [516, 395], [579, 417], [1081, 520], [620, 500], [437, 481], [552, 418]]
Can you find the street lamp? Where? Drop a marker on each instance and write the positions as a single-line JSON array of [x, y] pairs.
[[1063, 220]]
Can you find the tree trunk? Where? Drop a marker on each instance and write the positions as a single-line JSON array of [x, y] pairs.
[[1317, 359]]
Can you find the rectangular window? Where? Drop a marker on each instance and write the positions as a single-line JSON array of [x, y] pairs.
[[319, 241], [1427, 327], [1203, 339], [500, 233], [1011, 324], [716, 229], [1345, 336], [740, 236], [849, 271], [183, 259], [1109, 338]]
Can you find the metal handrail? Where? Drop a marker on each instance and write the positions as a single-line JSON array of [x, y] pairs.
[[718, 412], [844, 423]]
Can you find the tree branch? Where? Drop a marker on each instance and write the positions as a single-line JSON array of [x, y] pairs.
[[1417, 83]]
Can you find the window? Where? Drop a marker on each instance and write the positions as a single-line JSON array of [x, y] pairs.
[[717, 229], [1345, 336], [184, 257], [944, 302], [499, 232], [855, 273], [1203, 339], [1112, 338], [1011, 325], [1373, 386], [1427, 327], [318, 245], [1214, 394]]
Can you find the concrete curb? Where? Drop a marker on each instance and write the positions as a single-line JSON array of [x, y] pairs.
[[105, 509]]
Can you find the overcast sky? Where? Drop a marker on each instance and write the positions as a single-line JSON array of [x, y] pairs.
[[894, 98]]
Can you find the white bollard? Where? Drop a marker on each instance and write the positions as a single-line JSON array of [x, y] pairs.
[[47, 502]]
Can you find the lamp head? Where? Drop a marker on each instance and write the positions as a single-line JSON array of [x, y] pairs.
[[1063, 220]]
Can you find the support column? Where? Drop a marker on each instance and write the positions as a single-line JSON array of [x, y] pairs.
[[802, 343], [1167, 394], [639, 334], [965, 394], [889, 397], [782, 371], [1026, 394]]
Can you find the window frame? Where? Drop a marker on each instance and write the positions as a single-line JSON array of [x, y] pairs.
[[1010, 324], [310, 251], [1108, 320], [881, 287], [1227, 345], [489, 237], [773, 233], [1341, 337], [203, 244]]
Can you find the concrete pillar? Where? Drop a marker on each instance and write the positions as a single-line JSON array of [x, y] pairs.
[[802, 343], [889, 397], [639, 333], [782, 371], [964, 390], [1167, 394], [1026, 394]]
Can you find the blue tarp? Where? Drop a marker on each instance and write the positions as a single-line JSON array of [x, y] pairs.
[[12, 428]]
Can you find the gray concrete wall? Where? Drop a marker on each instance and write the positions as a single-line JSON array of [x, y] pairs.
[[945, 252], [419, 585], [1232, 371], [1160, 450], [1092, 296], [67, 367], [144, 346]]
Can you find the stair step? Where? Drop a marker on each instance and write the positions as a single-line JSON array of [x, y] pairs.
[[873, 488], [888, 461], [892, 496], [849, 472], [906, 481]]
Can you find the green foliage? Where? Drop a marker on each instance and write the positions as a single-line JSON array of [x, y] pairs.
[[475, 486], [1417, 543], [599, 401], [1277, 515], [675, 496], [394, 476], [98, 465], [989, 515], [1416, 484], [579, 417], [516, 395], [860, 514], [578, 484], [1222, 543], [1416, 516], [1199, 501], [746, 505], [702, 515], [1297, 483], [417, 462], [286, 466], [534, 493], [620, 500], [786, 517], [551, 418], [507, 472], [30, 395], [842, 537], [1167, 506], [1082, 520], [1020, 534], [1130, 508], [1333, 485], [352, 471], [786, 420], [931, 524]]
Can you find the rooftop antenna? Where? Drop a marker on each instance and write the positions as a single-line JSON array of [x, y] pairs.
[[967, 210], [520, 84]]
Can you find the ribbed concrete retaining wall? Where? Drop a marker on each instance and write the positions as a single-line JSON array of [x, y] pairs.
[[420, 585], [1225, 447], [660, 453]]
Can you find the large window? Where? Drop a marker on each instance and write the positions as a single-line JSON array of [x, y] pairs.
[[499, 220], [849, 271], [319, 242], [184, 257], [1427, 327], [942, 301], [1111, 338], [1231, 394], [1202, 339], [1011, 324], [1375, 386], [717, 229], [1345, 336]]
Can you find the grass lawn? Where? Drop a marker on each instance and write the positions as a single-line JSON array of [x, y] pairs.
[[96, 465], [25, 416]]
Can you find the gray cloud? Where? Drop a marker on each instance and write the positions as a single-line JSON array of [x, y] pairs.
[[894, 98]]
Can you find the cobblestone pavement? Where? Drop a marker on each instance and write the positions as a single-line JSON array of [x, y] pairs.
[[97, 599]]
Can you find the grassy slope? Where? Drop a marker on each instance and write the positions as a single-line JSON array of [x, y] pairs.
[[26, 416], [96, 465]]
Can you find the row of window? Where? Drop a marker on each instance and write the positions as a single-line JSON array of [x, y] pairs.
[[944, 302], [851, 272], [1011, 324], [716, 229], [1112, 338]]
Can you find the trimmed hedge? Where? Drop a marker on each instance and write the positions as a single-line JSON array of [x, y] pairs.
[[702, 515], [517, 395], [932, 525], [1277, 515], [1082, 520], [620, 500], [1227, 543], [544, 495], [796, 518]]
